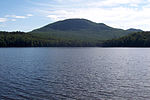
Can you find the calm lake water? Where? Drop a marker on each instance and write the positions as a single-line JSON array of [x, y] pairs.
[[74, 73]]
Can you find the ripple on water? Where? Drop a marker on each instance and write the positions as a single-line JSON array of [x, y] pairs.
[[74, 73]]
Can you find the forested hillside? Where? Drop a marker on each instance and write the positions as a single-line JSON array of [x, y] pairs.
[[81, 29], [140, 39], [21, 39]]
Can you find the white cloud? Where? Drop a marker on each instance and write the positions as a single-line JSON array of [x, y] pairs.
[[19, 17], [116, 2], [15, 16], [116, 13], [117, 17], [29, 15], [53, 17], [3, 19], [13, 19], [70, 0], [22, 17]]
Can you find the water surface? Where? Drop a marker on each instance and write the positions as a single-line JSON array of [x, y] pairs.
[[74, 73]]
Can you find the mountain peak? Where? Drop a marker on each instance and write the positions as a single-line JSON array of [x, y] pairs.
[[81, 28], [74, 25]]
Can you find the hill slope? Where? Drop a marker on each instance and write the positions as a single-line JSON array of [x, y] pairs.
[[81, 29], [140, 39], [74, 25]]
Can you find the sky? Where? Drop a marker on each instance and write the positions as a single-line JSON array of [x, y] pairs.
[[26, 15]]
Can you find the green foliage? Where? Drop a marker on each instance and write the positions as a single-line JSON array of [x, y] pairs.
[[140, 39], [21, 39]]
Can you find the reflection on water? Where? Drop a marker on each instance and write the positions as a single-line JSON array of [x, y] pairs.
[[74, 73]]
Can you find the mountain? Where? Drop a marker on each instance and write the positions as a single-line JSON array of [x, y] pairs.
[[139, 39], [134, 30], [74, 25], [73, 33], [80, 29]]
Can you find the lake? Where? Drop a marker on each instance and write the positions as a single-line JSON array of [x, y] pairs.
[[74, 73]]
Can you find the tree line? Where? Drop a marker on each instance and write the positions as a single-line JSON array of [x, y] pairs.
[[139, 39], [22, 39]]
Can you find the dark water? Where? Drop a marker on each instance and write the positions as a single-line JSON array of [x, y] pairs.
[[74, 73]]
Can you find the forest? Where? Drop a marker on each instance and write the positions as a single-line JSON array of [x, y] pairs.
[[139, 39], [22, 39]]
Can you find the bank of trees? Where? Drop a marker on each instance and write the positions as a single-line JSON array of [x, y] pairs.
[[140, 39], [21, 39]]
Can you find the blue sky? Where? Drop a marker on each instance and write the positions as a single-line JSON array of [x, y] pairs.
[[26, 15]]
